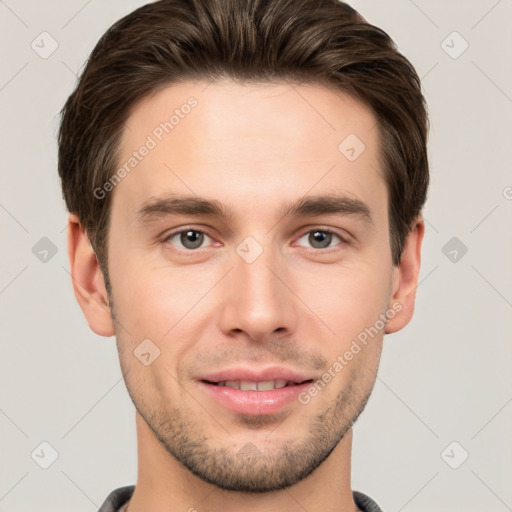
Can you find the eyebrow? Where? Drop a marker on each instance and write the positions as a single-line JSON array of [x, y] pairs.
[[328, 204]]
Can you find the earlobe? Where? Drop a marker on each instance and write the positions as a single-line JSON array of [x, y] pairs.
[[87, 280], [405, 279]]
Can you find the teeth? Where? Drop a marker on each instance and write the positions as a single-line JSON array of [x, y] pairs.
[[266, 385], [280, 383], [245, 385]]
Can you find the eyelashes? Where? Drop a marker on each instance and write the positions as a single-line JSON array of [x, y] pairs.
[[192, 239]]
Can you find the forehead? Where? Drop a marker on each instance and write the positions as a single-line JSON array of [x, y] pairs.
[[246, 143], [295, 112]]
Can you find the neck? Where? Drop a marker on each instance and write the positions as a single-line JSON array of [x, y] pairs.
[[163, 484]]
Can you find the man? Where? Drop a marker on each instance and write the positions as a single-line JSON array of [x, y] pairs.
[[245, 181]]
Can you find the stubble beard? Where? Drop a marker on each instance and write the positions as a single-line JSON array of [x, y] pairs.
[[251, 468]]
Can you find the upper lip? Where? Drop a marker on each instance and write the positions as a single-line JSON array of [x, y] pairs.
[[252, 375]]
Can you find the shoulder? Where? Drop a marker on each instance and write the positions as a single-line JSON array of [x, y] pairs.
[[117, 498], [365, 503]]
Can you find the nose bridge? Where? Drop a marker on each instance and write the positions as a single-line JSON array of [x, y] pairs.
[[258, 302]]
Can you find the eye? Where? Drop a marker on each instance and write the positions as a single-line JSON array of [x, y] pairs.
[[189, 239], [321, 238]]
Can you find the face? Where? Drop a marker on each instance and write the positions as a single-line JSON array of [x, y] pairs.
[[248, 253]]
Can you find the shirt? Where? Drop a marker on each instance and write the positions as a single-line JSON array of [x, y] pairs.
[[118, 498]]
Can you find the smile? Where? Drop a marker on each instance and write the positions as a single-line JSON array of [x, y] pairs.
[[254, 393], [247, 385]]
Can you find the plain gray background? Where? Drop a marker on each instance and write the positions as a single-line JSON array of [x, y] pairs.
[[445, 378]]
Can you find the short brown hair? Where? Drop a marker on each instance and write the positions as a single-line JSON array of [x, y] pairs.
[[307, 41]]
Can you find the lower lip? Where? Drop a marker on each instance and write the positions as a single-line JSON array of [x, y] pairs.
[[254, 403]]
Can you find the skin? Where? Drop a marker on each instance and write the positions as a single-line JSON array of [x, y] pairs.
[[252, 148]]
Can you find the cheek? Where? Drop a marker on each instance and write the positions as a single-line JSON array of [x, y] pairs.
[[352, 308], [348, 300], [137, 291], [162, 303]]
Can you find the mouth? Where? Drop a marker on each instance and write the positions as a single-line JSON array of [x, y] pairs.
[[265, 385], [255, 393]]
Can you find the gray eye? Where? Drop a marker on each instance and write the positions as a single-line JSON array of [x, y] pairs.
[[189, 238], [319, 238]]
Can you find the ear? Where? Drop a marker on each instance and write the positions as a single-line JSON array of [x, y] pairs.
[[87, 279], [405, 279]]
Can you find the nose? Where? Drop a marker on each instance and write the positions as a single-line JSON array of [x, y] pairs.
[[258, 299]]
